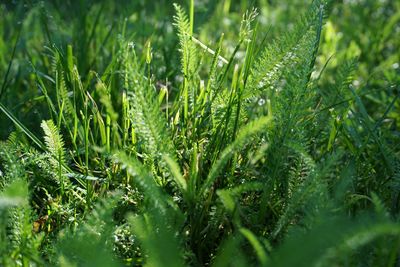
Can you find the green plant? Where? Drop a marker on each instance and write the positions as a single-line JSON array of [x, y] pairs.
[[165, 140]]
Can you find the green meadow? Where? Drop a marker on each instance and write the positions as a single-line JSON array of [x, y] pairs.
[[200, 133]]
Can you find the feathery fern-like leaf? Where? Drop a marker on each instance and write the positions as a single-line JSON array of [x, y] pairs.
[[146, 117], [53, 141], [284, 52], [189, 58]]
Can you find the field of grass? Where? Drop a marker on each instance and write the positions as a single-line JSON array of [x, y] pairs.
[[200, 133]]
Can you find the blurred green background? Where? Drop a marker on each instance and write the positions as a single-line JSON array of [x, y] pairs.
[[366, 29]]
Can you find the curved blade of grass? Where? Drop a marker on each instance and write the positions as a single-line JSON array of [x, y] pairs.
[[256, 244], [22, 127]]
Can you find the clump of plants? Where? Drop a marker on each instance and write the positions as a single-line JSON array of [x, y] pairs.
[[167, 149]]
